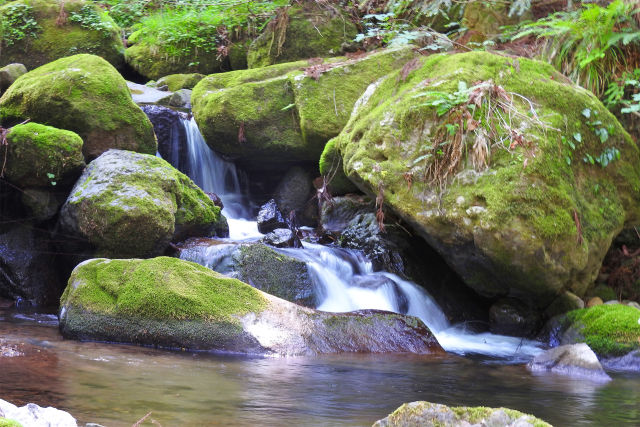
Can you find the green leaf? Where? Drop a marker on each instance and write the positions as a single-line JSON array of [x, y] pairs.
[[586, 112], [288, 107], [577, 136]]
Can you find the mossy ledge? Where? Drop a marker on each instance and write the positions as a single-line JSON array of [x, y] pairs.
[[171, 303]]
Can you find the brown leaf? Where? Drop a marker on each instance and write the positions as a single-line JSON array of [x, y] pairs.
[[241, 136], [408, 68]]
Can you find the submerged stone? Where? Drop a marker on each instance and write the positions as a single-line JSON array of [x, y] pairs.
[[171, 303]]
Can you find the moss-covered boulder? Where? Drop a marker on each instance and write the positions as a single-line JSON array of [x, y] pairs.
[[179, 81], [519, 178], [84, 94], [307, 30], [44, 162], [36, 32], [611, 330], [127, 204], [168, 302], [272, 116], [9, 74], [152, 62], [434, 414]]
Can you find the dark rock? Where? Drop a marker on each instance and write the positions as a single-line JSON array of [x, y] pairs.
[[293, 193], [270, 218], [336, 214], [575, 360], [628, 363], [282, 238], [170, 132], [9, 74], [511, 317]]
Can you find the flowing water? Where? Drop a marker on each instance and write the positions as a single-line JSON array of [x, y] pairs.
[[115, 385]]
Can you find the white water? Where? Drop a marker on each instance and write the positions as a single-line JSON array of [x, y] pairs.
[[344, 279]]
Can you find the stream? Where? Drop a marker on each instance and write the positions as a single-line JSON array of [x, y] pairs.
[[116, 385]]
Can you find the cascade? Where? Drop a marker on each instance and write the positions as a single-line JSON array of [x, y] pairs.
[[344, 279]]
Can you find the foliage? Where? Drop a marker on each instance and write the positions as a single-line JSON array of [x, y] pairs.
[[624, 93], [17, 22], [127, 13], [89, 18], [593, 44]]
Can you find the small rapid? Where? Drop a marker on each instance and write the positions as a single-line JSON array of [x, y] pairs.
[[343, 279]]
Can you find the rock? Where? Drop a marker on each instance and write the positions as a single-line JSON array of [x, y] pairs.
[[175, 82], [604, 292], [594, 301], [610, 330], [258, 265], [564, 303], [271, 118], [83, 94], [336, 214], [171, 134], [634, 304], [9, 74], [43, 37], [270, 218], [627, 363], [43, 204], [128, 204], [574, 360], [511, 317], [145, 94], [434, 414], [167, 302], [28, 267], [311, 30], [153, 62], [282, 238], [32, 415], [294, 192], [178, 99], [43, 156], [331, 168], [506, 229], [483, 21]]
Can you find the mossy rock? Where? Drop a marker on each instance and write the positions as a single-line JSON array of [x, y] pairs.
[[152, 62], [9, 74], [434, 414], [264, 116], [179, 81], [307, 30], [171, 303], [331, 168], [4, 422], [57, 35], [43, 156], [127, 204], [535, 223], [484, 19], [611, 330], [86, 95]]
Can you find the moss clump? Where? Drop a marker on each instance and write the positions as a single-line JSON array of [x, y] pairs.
[[331, 167], [512, 228], [43, 156], [56, 38], [5, 422], [261, 115], [312, 31], [84, 94], [434, 414], [180, 81], [609, 329], [162, 301], [127, 204]]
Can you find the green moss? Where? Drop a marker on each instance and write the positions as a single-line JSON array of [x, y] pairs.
[[516, 211], [84, 94], [54, 41], [180, 81], [331, 167], [4, 422], [40, 155], [609, 329], [312, 31]]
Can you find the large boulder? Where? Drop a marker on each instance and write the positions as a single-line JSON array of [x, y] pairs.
[[128, 204], [9, 74], [40, 31], [575, 360], [307, 30], [168, 302], [435, 414], [84, 94], [525, 207], [43, 162], [273, 117]]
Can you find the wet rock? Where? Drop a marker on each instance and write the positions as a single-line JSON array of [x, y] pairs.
[[216, 200], [9, 74], [575, 360], [281, 238], [176, 82], [293, 194], [270, 218], [145, 94], [128, 204], [336, 214], [148, 304], [171, 134], [511, 317], [627, 363], [566, 302], [178, 99], [434, 414], [33, 415]]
